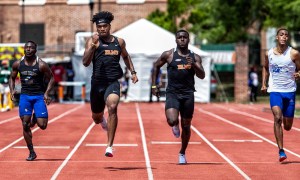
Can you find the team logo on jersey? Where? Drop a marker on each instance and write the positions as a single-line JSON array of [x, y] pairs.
[[177, 60], [111, 52], [105, 45], [183, 66]]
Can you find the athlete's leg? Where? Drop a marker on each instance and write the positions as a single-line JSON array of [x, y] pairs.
[[186, 134], [277, 113], [112, 102], [288, 123], [172, 116], [186, 112]]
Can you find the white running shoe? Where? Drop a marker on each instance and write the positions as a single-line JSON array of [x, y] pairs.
[[181, 159], [104, 124], [108, 152], [176, 131]]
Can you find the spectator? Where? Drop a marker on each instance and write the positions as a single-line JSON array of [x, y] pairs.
[[58, 73], [70, 78], [253, 84]]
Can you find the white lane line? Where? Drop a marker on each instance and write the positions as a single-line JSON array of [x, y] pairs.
[[246, 129], [167, 142], [54, 176], [37, 128], [236, 140], [14, 118], [10, 119], [144, 142], [121, 145], [221, 154], [253, 116], [43, 147]]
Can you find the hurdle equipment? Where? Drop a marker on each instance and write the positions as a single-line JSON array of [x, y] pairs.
[[63, 84]]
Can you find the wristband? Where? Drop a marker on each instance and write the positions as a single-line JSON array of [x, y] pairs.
[[153, 87], [133, 72]]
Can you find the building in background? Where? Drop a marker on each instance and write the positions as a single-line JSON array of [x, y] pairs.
[[54, 23]]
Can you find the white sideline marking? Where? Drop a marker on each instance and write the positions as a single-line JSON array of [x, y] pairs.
[[237, 140], [54, 176], [246, 129], [146, 154], [221, 154], [43, 147], [166, 142], [114, 145], [37, 128]]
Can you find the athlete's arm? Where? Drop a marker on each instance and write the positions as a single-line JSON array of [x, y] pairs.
[[12, 79], [265, 74], [163, 59], [48, 77], [197, 65], [296, 58], [90, 47], [127, 60]]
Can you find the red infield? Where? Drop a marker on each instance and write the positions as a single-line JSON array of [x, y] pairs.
[[229, 141]]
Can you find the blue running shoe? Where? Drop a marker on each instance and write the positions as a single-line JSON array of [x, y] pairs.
[[282, 155], [176, 131], [31, 156]]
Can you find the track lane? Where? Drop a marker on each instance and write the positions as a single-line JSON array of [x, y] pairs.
[[258, 160]]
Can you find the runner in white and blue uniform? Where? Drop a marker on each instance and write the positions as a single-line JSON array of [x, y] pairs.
[[281, 70]]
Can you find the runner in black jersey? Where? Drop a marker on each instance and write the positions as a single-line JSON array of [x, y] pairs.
[[104, 51], [34, 97], [183, 65]]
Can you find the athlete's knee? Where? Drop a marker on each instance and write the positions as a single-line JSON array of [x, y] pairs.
[[112, 108], [26, 126], [186, 124], [43, 124], [172, 121], [97, 117]]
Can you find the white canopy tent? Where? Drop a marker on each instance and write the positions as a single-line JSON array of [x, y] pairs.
[[145, 42]]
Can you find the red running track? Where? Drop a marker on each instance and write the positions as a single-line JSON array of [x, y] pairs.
[[229, 141]]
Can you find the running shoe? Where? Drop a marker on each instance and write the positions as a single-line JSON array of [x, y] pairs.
[[181, 159], [104, 124], [31, 156], [176, 131], [33, 120], [108, 152], [282, 155]]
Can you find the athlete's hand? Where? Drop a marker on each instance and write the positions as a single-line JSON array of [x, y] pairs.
[[297, 75], [190, 62], [95, 38], [155, 90], [134, 78], [47, 99], [264, 89], [12, 95]]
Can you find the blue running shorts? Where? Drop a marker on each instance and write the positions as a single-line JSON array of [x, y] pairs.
[[286, 102], [28, 103]]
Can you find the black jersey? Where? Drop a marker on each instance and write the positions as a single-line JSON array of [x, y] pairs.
[[32, 79], [180, 77], [106, 62]]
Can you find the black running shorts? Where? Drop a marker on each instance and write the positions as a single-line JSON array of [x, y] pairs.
[[99, 94], [182, 102]]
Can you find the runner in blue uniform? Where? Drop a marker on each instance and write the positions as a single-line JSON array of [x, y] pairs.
[[34, 72], [104, 51], [183, 65]]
